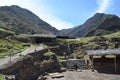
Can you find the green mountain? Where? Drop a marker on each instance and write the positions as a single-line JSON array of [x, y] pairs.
[[99, 24], [20, 20]]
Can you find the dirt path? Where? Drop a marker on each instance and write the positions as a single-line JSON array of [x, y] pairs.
[[86, 75], [25, 52]]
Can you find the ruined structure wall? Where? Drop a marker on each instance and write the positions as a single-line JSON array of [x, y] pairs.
[[29, 67]]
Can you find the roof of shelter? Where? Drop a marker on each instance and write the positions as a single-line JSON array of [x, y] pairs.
[[104, 52]]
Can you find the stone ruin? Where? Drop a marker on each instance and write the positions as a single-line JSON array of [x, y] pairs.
[[31, 66]]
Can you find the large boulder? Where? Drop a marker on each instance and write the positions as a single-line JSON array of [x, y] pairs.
[[29, 67]]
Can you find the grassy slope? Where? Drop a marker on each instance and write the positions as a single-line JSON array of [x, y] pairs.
[[9, 46], [81, 40], [113, 35], [92, 45], [87, 39]]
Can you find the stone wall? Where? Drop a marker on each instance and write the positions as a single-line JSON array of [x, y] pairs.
[[65, 48], [80, 63], [29, 67]]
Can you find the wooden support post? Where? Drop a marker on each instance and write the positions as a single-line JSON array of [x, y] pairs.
[[92, 64], [115, 63]]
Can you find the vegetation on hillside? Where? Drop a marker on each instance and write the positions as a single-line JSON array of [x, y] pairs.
[[116, 34], [9, 45], [97, 42], [5, 33], [21, 20]]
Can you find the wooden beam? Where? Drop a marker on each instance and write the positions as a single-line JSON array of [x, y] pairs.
[[92, 64], [115, 63]]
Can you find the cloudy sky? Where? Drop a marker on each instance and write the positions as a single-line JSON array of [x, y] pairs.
[[64, 14]]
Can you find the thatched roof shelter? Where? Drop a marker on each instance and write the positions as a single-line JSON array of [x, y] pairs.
[[39, 38]]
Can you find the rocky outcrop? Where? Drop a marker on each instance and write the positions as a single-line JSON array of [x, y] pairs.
[[29, 67]]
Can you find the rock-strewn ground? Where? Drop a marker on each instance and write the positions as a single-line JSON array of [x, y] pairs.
[[86, 75]]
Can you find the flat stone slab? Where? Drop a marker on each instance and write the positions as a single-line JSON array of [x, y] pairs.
[[56, 75]]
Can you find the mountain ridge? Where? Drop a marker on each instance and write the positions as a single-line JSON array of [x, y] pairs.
[[21, 20], [99, 24]]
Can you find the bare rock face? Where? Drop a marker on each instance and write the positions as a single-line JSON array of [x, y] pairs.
[[32, 65]]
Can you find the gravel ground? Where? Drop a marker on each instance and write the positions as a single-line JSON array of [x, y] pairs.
[[86, 75]]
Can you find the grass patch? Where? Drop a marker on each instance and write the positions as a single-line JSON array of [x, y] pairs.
[[1, 77], [49, 53], [61, 57], [80, 40], [23, 35], [8, 31], [10, 47], [86, 39], [52, 46], [90, 45], [113, 34]]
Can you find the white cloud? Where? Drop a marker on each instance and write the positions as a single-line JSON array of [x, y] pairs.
[[103, 5], [41, 9], [45, 13], [56, 22]]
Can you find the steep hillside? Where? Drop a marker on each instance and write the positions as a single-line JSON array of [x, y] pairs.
[[22, 20], [99, 24], [73, 32]]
